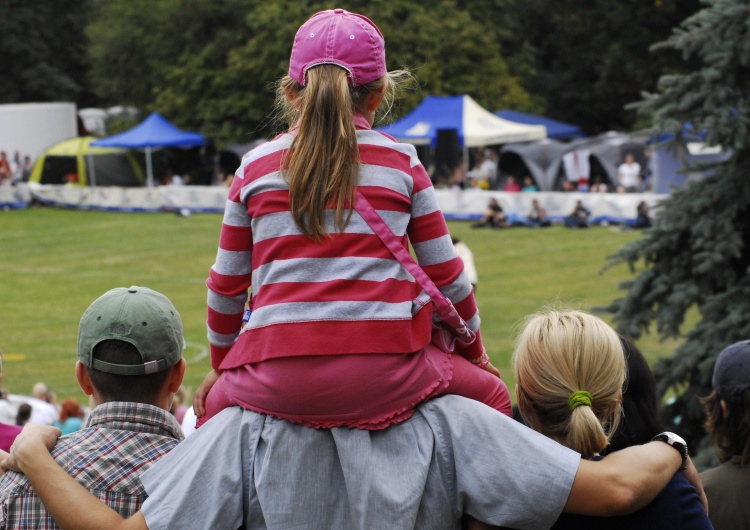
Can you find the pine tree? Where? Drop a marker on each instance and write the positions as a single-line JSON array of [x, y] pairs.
[[698, 254]]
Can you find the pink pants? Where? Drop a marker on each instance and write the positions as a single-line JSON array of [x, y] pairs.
[[369, 391]]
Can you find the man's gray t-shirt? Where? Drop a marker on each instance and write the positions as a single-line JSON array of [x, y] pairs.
[[454, 456]]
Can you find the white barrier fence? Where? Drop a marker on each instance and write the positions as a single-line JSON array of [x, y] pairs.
[[455, 204]]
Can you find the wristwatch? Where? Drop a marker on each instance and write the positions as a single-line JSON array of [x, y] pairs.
[[675, 441]]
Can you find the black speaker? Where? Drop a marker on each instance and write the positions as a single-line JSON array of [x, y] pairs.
[[446, 152]]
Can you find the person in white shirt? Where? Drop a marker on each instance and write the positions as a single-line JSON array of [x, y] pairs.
[[628, 175], [42, 411]]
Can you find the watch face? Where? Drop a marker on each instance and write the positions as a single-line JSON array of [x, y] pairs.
[[675, 438], [675, 441]]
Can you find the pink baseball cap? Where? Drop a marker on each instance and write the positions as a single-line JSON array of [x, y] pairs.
[[339, 37]]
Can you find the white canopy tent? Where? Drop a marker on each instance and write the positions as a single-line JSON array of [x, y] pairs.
[[476, 126]]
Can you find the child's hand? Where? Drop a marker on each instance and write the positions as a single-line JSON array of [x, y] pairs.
[[199, 400], [483, 362], [494, 371]]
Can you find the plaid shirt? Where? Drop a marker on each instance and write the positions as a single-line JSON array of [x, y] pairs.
[[120, 441]]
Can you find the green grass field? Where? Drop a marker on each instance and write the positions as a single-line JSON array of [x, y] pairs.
[[56, 262]]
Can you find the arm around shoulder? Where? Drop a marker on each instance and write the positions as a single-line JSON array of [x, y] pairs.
[[64, 498], [623, 482]]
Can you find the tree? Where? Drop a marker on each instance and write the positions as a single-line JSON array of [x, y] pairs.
[[590, 59], [134, 43], [43, 54], [698, 254], [217, 72]]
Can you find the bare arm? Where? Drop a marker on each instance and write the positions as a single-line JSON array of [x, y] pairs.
[[626, 480], [64, 498]]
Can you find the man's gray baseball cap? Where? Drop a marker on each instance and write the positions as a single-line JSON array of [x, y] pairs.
[[138, 315], [732, 372]]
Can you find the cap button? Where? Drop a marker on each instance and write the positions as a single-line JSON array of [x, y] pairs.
[[338, 11], [133, 289]]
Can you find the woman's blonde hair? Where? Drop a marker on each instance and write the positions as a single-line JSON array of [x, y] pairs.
[[322, 164], [557, 354]]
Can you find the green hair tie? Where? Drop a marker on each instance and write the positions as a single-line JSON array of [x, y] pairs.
[[578, 398]]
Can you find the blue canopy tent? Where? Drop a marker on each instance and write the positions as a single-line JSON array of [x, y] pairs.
[[555, 129], [153, 132], [476, 126]]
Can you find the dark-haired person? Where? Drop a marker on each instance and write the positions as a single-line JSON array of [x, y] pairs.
[[24, 414], [130, 361], [640, 403], [728, 423]]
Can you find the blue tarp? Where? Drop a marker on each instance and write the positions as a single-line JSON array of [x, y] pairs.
[[555, 129]]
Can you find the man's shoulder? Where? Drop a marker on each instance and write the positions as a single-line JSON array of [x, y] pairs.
[[12, 485], [725, 475]]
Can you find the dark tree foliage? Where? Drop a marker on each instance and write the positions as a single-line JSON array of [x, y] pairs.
[[591, 58], [212, 65], [698, 254], [43, 51]]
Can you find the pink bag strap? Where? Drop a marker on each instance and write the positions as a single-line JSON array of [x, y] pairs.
[[384, 232]]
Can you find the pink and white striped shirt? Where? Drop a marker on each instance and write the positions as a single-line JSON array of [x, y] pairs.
[[346, 294]]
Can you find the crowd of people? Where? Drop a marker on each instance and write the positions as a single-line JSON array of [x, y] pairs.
[[14, 170], [335, 400], [485, 173], [494, 216], [42, 407]]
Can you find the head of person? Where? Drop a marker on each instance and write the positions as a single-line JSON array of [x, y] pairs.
[[336, 71], [527, 181], [570, 371], [130, 348], [728, 405], [640, 402], [24, 414], [629, 158], [535, 203], [69, 408], [40, 391]]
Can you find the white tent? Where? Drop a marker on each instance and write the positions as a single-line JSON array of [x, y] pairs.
[[476, 126]]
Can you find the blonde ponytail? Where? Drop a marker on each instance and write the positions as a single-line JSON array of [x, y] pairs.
[[563, 353], [322, 164], [323, 161]]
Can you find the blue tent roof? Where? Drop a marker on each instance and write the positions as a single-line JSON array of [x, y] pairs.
[[154, 131], [689, 134], [476, 126], [555, 129]]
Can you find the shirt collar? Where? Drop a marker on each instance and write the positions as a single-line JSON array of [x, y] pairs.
[[360, 122], [137, 417]]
